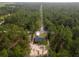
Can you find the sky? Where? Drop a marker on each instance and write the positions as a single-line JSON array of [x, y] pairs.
[[39, 0]]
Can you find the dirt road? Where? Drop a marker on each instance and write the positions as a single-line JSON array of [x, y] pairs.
[[38, 50]]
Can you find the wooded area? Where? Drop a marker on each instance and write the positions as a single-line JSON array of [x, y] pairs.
[[21, 20]]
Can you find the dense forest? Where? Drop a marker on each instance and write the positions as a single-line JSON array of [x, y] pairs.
[[18, 21]]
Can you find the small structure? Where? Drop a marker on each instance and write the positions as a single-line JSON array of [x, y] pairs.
[[38, 36], [37, 39]]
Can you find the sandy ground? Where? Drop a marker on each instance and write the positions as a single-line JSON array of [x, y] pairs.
[[38, 50]]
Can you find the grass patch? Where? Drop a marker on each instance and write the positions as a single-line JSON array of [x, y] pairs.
[[43, 35]]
